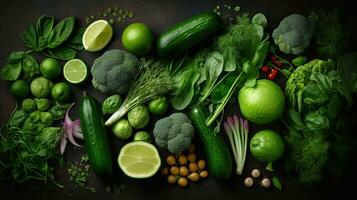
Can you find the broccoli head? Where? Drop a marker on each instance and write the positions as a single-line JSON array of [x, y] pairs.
[[293, 34], [174, 132], [114, 71]]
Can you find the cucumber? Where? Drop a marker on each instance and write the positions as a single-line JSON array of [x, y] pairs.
[[182, 36], [95, 137], [218, 157]]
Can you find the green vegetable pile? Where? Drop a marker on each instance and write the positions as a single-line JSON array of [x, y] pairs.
[[318, 97]]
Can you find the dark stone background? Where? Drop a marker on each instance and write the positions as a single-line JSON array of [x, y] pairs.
[[16, 14]]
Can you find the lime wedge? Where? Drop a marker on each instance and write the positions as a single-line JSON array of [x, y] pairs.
[[97, 35], [75, 71], [139, 159]]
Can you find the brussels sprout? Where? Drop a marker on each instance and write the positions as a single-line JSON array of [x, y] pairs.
[[158, 106], [28, 105], [41, 87], [111, 104], [46, 118], [142, 136], [139, 117], [122, 129], [42, 104]]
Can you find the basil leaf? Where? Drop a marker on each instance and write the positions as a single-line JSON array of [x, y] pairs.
[[44, 28], [18, 118], [30, 67], [11, 72], [61, 53], [316, 122], [30, 37], [61, 32], [75, 40]]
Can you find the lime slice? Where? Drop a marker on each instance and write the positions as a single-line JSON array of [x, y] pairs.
[[75, 71], [97, 35], [139, 159]]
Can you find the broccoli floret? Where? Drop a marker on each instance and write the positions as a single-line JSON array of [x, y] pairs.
[[174, 132], [293, 34], [114, 71]]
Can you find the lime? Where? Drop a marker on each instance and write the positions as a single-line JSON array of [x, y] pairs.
[[75, 71], [139, 159], [97, 35], [61, 92], [267, 146], [41, 87], [50, 68], [20, 89], [137, 38]]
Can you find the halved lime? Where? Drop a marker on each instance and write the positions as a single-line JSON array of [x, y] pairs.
[[97, 35], [139, 159], [75, 71]]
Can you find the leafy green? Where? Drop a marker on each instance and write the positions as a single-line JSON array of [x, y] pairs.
[[330, 35], [346, 67], [44, 28], [58, 110], [61, 53], [30, 67], [213, 67], [30, 37]]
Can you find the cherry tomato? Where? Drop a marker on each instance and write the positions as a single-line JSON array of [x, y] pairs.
[[273, 58], [278, 63], [271, 76], [274, 71], [265, 69]]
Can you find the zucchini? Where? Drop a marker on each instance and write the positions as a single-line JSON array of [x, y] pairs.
[[95, 137], [182, 36], [218, 157]]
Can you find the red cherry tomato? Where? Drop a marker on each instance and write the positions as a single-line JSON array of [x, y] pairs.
[[271, 76], [273, 58], [265, 69], [274, 71]]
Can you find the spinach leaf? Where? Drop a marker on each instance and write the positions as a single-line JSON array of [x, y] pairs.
[[61, 53], [251, 68], [212, 69], [44, 28], [61, 32], [346, 65], [75, 40], [184, 87], [30, 37], [30, 67], [220, 90], [11, 72]]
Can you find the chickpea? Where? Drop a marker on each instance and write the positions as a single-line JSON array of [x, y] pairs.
[[183, 171], [174, 170], [192, 148], [193, 167], [164, 171], [182, 182], [265, 182], [256, 173], [248, 182], [201, 164], [191, 157], [171, 160], [171, 179], [182, 159], [204, 174], [194, 177]]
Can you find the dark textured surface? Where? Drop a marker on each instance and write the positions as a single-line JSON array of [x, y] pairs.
[[16, 14]]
